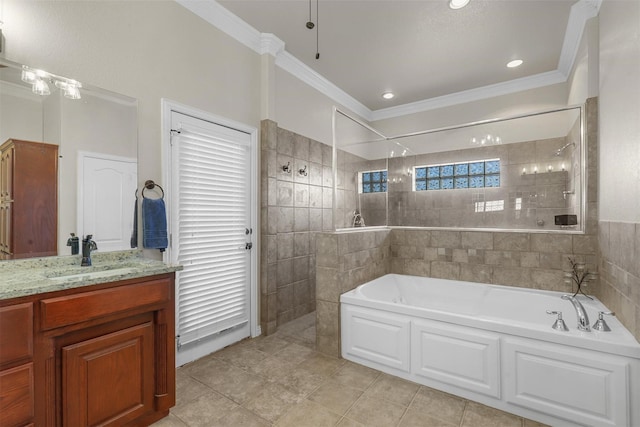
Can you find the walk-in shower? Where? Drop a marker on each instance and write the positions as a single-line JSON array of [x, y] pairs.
[[513, 173]]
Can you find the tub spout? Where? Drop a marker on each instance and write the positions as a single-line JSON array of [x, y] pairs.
[[583, 319]]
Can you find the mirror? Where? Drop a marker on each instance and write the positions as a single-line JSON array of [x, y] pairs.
[[518, 173], [96, 139]]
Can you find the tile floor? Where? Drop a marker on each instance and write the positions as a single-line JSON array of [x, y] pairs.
[[280, 380]]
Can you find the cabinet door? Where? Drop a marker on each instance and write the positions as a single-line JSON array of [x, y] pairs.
[[108, 380], [16, 396]]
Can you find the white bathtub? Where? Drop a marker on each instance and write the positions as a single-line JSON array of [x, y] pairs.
[[495, 345]]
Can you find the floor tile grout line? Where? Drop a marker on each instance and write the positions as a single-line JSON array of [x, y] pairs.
[[409, 405]]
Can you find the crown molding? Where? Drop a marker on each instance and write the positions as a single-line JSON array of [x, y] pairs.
[[581, 12], [264, 43], [271, 44], [476, 94], [293, 65]]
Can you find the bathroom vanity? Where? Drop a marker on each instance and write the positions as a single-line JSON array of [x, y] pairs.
[[84, 346]]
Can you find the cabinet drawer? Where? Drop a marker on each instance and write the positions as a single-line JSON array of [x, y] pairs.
[[85, 306], [16, 332], [16, 395]]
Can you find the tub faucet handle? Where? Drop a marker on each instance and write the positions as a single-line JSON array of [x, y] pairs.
[[559, 324], [600, 324]]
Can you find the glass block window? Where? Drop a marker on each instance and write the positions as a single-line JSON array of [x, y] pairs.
[[475, 174], [373, 181]]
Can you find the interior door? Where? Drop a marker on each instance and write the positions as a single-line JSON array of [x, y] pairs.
[[211, 217], [107, 199]]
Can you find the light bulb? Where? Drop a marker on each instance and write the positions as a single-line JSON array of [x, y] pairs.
[[28, 76], [40, 87], [72, 92], [458, 4]]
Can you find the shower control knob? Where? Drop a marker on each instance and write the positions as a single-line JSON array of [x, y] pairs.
[[600, 324], [559, 324]]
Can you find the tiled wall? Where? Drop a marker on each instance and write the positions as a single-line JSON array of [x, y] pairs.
[[515, 259], [526, 198], [619, 286], [532, 260], [294, 208], [344, 261]]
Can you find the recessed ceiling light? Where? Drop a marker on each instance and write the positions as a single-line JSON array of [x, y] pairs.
[[388, 95], [515, 63], [458, 4]]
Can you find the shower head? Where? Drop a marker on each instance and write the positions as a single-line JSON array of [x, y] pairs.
[[559, 151]]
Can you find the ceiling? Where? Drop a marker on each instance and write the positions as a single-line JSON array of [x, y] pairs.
[[419, 49]]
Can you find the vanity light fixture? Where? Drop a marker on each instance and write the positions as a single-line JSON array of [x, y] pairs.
[[70, 88], [458, 4], [515, 63], [388, 95], [40, 83], [488, 139]]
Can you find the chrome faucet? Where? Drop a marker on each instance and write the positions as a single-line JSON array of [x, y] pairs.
[[583, 319], [88, 245]]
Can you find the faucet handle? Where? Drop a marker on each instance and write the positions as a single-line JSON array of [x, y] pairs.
[[600, 324], [559, 324]]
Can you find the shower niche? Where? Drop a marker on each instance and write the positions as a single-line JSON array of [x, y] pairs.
[[517, 173]]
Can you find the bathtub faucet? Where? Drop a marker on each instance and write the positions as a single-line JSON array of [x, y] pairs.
[[583, 319]]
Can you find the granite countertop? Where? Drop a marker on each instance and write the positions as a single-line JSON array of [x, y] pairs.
[[33, 276]]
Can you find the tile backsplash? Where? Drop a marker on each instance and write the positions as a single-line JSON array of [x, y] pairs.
[[619, 290]]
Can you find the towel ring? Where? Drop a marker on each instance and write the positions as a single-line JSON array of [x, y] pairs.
[[150, 185]]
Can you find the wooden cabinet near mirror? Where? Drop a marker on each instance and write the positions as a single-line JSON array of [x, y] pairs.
[[28, 199]]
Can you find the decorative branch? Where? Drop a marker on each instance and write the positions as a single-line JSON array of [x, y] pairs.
[[580, 276]]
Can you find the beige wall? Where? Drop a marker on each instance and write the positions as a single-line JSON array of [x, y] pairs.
[[620, 111], [619, 183], [303, 109], [139, 49]]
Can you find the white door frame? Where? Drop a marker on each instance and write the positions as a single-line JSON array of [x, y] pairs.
[[168, 107]]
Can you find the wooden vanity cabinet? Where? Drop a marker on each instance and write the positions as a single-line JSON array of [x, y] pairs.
[[28, 199], [102, 355], [16, 365]]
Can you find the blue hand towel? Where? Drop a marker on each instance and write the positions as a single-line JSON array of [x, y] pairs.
[[154, 224]]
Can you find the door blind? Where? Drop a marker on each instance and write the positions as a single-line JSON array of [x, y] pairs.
[[213, 199]]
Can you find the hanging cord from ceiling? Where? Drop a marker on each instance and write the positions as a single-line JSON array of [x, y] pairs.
[[311, 25], [317, 30]]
